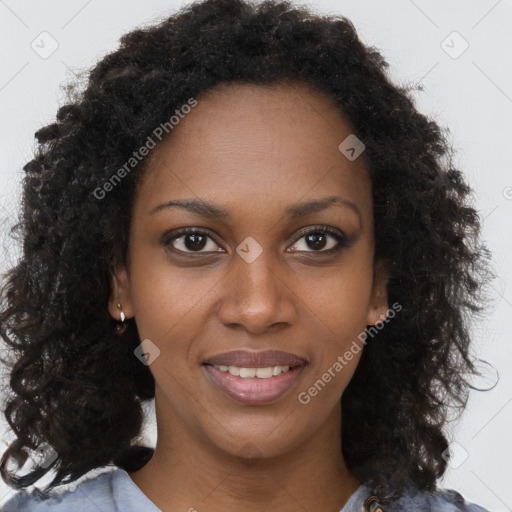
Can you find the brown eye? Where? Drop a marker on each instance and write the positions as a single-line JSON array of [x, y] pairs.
[[317, 240], [191, 240]]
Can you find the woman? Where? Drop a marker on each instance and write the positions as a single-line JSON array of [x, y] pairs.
[[244, 219]]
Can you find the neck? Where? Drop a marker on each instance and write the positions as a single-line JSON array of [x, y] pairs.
[[189, 472]]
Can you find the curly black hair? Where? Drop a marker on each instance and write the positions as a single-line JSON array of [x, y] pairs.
[[75, 385]]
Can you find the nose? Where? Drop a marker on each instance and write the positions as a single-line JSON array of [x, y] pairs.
[[259, 296]]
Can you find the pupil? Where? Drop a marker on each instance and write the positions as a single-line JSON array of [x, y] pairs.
[[197, 243], [315, 237]]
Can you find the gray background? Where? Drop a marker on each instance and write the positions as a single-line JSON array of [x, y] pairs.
[[468, 91]]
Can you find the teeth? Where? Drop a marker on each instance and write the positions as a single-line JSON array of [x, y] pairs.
[[261, 373]]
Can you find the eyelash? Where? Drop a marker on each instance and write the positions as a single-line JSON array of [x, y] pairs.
[[343, 241]]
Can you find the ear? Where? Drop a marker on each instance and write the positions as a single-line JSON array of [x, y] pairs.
[[378, 307], [120, 294]]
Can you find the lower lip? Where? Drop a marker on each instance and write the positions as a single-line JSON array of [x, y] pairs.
[[252, 390]]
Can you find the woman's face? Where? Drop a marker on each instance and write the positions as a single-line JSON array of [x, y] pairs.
[[261, 275]]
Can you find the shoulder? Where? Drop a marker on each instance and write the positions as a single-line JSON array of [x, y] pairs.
[[83, 494], [110, 491], [441, 500]]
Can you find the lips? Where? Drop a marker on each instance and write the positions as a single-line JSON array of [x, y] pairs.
[[247, 359], [253, 391]]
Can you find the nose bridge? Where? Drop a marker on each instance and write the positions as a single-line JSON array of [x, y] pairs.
[[257, 294], [256, 275]]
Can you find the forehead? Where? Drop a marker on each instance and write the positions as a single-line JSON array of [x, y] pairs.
[[242, 142]]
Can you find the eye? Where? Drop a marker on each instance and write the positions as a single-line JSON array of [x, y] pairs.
[[317, 239], [194, 240], [191, 240]]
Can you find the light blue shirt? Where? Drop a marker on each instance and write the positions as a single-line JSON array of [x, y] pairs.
[[115, 491]]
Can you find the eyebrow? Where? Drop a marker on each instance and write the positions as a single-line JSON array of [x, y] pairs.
[[216, 212]]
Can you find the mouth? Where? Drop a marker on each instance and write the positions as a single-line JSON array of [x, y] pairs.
[[253, 386], [247, 359]]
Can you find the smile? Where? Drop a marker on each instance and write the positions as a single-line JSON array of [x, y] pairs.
[[260, 373], [253, 386]]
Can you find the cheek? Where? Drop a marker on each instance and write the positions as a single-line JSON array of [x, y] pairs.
[[167, 299], [337, 306], [170, 311], [335, 361], [339, 298]]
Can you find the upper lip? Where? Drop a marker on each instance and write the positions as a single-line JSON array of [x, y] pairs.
[[247, 359]]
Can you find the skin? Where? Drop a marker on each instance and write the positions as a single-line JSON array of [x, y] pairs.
[[253, 150]]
